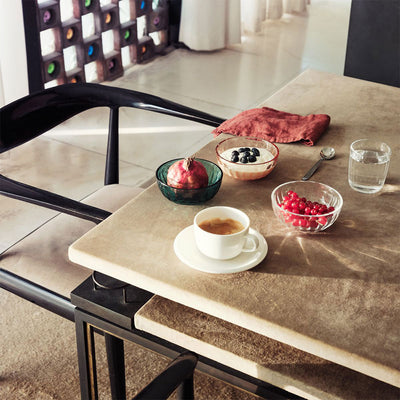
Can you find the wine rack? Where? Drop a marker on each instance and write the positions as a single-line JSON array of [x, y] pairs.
[[70, 41]]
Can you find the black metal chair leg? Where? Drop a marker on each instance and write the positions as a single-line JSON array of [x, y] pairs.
[[116, 366], [186, 390], [86, 358]]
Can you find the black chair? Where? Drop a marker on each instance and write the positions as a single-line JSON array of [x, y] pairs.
[[37, 266], [373, 43], [178, 374]]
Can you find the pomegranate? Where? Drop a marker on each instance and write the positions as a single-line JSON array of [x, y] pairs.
[[187, 174]]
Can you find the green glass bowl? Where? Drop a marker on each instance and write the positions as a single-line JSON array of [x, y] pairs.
[[190, 196]]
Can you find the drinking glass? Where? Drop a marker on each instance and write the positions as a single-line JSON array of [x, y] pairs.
[[368, 165]]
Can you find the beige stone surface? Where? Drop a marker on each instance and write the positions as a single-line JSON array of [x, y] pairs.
[[263, 358], [334, 294]]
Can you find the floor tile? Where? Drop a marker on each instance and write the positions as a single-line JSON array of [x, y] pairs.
[[230, 78], [148, 150], [58, 167]]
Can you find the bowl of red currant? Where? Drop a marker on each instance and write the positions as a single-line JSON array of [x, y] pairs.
[[306, 206], [247, 158]]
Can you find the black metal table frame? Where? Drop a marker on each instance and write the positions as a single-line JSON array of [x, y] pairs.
[[115, 322]]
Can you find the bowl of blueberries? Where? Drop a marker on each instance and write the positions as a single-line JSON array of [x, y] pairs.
[[247, 158]]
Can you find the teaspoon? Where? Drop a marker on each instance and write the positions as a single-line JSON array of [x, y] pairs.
[[327, 153]]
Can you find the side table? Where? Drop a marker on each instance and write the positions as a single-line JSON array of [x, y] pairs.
[[107, 306]]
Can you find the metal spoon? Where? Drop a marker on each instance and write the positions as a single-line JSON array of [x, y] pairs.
[[327, 153]]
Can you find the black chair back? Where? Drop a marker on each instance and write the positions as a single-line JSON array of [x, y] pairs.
[[32, 115], [373, 43]]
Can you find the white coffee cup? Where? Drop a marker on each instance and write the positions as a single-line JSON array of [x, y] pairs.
[[224, 246]]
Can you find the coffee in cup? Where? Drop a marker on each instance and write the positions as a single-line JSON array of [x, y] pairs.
[[223, 232], [221, 226]]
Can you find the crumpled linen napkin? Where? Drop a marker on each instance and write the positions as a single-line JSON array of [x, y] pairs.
[[276, 126]]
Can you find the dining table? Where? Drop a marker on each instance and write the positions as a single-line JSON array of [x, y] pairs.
[[334, 294]]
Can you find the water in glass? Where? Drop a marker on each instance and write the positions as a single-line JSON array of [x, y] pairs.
[[368, 170]]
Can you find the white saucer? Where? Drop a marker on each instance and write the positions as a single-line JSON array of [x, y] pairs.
[[187, 251]]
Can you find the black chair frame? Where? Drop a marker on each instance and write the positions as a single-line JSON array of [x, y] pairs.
[[178, 374], [32, 115]]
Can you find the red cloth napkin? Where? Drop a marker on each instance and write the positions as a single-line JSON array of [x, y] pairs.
[[276, 126]]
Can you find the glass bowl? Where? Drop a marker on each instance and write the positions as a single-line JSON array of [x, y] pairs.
[[251, 170], [190, 196], [306, 206]]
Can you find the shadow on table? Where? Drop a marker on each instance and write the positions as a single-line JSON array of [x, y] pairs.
[[334, 254], [321, 377]]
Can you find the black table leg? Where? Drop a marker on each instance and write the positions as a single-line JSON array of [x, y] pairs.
[[86, 358], [116, 366], [105, 312]]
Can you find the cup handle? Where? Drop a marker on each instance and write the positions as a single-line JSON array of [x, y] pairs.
[[253, 240]]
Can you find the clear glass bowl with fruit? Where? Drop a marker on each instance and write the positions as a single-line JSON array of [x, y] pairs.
[[306, 206], [247, 158], [189, 180]]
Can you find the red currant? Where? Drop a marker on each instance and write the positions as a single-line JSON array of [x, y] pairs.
[[312, 224], [323, 209], [304, 223], [322, 220], [302, 205], [296, 222], [293, 204], [288, 218]]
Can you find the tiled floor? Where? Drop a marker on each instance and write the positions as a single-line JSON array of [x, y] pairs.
[[222, 83]]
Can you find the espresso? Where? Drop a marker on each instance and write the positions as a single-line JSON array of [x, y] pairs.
[[221, 226]]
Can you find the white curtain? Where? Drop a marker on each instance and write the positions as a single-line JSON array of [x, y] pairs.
[[210, 24], [256, 11], [215, 24]]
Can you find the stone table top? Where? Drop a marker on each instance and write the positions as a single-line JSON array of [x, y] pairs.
[[334, 294], [276, 363]]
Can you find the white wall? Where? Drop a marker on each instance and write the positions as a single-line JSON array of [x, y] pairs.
[[2, 102], [13, 66]]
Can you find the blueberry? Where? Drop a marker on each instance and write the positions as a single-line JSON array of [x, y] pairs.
[[235, 152], [244, 160], [252, 158], [243, 149], [234, 158], [246, 153], [255, 151]]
